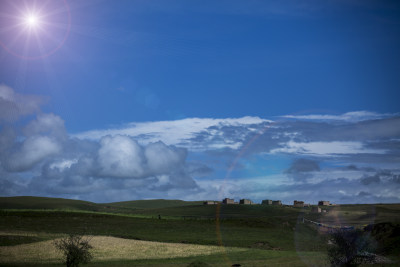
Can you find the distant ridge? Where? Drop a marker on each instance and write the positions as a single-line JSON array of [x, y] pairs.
[[30, 202], [153, 203]]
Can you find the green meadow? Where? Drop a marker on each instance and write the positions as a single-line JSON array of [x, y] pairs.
[[176, 233]]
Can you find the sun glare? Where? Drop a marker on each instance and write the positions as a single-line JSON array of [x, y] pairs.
[[34, 29], [32, 21]]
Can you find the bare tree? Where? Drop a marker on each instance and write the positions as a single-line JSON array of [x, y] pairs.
[[76, 249]]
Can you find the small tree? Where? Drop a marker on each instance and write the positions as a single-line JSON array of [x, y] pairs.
[[76, 249], [350, 248]]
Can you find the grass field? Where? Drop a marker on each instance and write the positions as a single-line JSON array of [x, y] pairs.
[[133, 235], [110, 248], [111, 251], [277, 233]]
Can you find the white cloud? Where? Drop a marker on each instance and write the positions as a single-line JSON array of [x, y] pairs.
[[13, 105], [46, 123], [120, 156], [353, 116], [176, 132], [325, 148], [163, 159], [63, 164], [33, 150]]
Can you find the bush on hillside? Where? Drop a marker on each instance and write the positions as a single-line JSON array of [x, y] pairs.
[[351, 248], [76, 249]]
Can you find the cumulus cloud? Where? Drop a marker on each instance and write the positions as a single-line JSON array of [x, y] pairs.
[[40, 158], [32, 151], [13, 105], [118, 163], [115, 164], [48, 124], [42, 139], [122, 156]]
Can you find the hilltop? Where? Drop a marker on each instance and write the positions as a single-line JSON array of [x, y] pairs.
[[47, 203]]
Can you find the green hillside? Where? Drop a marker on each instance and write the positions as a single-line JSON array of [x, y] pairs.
[[27, 202], [152, 204], [224, 211]]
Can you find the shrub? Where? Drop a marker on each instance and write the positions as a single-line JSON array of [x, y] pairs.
[[76, 249], [351, 248]]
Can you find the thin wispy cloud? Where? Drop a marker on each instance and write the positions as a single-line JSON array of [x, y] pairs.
[[353, 116], [178, 132], [326, 148]]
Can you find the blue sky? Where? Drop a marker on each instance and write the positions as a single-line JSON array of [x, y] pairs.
[[119, 100]]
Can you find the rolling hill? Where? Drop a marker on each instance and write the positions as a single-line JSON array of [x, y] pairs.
[[29, 202]]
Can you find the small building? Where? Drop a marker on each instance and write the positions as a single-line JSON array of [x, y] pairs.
[[228, 201], [266, 202], [246, 202], [323, 203], [299, 204], [210, 202], [277, 203], [316, 210]]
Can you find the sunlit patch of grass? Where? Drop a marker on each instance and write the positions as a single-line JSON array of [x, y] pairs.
[[109, 248], [118, 248]]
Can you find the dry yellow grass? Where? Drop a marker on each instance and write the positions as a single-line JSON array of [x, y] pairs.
[[108, 248]]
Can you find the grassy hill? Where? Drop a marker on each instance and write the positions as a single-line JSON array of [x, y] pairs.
[[343, 214], [224, 211], [152, 204], [27, 202], [47, 203]]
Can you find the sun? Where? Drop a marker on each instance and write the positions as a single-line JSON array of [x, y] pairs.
[[33, 29], [32, 21]]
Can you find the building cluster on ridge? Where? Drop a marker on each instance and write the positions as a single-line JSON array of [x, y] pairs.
[[296, 203]]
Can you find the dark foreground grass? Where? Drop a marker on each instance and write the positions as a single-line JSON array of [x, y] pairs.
[[11, 240], [250, 257]]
